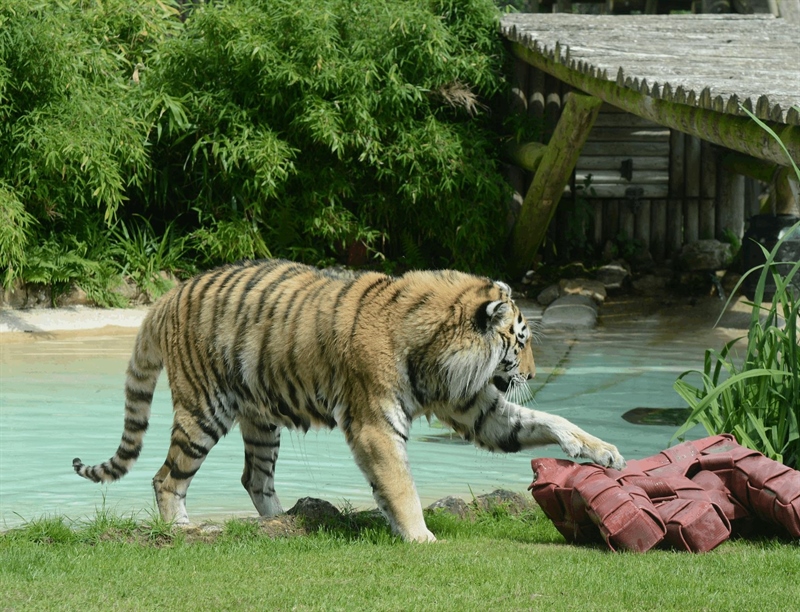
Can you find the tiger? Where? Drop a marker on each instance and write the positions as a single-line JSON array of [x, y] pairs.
[[275, 344]]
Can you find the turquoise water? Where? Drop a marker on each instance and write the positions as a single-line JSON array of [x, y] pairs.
[[61, 397]]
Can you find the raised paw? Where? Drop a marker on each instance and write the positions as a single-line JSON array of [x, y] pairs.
[[588, 447]]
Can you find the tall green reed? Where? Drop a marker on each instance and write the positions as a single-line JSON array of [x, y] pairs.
[[757, 397]]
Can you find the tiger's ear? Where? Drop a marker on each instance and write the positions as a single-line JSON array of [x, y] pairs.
[[490, 315]]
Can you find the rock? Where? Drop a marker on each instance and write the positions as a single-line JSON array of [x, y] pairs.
[[571, 312], [15, 296], [729, 281], [548, 295], [451, 505], [511, 501], [528, 278], [705, 255], [514, 503], [613, 275], [315, 510], [74, 297], [642, 260], [650, 283], [583, 286], [610, 250], [39, 296], [128, 290]]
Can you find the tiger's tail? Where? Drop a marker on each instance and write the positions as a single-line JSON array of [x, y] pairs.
[[143, 369]]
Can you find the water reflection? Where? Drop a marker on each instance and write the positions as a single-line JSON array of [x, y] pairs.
[[61, 397]]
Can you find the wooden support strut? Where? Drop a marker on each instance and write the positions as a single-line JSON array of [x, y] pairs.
[[555, 166], [732, 131]]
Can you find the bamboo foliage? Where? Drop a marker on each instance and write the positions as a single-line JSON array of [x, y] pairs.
[[253, 127]]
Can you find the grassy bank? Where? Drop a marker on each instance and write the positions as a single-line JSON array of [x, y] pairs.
[[499, 562]]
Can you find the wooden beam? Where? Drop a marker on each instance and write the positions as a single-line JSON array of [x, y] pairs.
[[553, 174], [749, 166], [731, 131], [782, 198], [527, 155]]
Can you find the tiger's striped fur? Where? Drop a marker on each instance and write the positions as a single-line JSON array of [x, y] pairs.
[[276, 344]]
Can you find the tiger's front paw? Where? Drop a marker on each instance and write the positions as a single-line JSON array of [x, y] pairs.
[[595, 450]]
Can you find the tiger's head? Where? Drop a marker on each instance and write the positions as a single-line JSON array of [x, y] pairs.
[[512, 339]]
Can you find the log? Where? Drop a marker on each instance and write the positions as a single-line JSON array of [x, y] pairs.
[[658, 227], [674, 228], [708, 189], [526, 155], [552, 176]]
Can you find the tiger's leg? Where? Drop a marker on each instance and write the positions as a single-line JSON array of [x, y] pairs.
[[379, 449], [493, 423], [261, 445], [193, 436]]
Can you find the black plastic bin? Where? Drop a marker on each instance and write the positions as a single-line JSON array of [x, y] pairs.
[[767, 230]]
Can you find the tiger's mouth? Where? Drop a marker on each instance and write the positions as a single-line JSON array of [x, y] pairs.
[[516, 388], [501, 383]]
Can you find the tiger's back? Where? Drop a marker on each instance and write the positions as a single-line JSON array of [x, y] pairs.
[[276, 344]]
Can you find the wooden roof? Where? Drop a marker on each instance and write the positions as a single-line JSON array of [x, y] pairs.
[[710, 61]]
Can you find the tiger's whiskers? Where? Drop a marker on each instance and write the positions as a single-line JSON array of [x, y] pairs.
[[519, 391]]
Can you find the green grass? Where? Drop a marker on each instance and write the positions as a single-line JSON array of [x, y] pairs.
[[498, 562]]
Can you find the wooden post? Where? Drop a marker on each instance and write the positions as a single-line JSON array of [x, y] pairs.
[[597, 209], [691, 205], [674, 228], [536, 92], [641, 230], [658, 227], [610, 221], [552, 176], [785, 201], [730, 201], [708, 190]]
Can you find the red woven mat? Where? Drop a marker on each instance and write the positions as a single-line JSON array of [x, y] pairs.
[[689, 497]]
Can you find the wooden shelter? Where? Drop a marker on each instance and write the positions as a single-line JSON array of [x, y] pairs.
[[663, 128]]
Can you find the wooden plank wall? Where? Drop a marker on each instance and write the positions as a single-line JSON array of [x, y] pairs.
[[658, 187]]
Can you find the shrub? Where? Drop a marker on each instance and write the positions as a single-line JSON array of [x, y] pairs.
[[315, 125], [73, 134], [254, 128]]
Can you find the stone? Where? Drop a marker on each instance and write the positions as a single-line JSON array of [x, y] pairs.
[[610, 251], [511, 501], [15, 296], [613, 275], [583, 286], [571, 312], [39, 296], [705, 255], [315, 510], [451, 505], [127, 289], [74, 297], [548, 295], [642, 260], [650, 283]]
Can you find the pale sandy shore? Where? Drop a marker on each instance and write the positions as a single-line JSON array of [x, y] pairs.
[[71, 318]]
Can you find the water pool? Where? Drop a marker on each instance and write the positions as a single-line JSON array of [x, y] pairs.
[[61, 397]]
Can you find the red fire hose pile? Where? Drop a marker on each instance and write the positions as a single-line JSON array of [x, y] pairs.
[[691, 497]]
